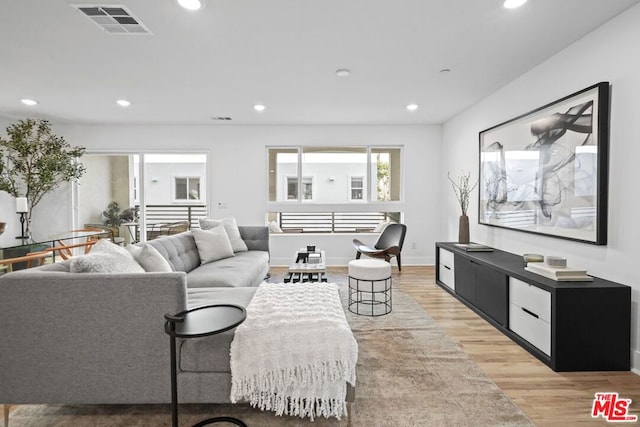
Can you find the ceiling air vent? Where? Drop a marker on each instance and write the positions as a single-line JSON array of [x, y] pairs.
[[220, 118], [113, 19]]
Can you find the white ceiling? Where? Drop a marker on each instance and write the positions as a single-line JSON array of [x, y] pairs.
[[222, 60]]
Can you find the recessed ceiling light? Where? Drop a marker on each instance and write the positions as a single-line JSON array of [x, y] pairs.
[[412, 107], [512, 4], [190, 4], [28, 101], [343, 72], [259, 107], [123, 102]]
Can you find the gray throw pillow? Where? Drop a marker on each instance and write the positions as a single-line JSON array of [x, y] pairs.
[[149, 258], [105, 262], [212, 244], [231, 227]]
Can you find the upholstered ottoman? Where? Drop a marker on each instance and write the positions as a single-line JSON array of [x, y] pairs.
[[369, 287]]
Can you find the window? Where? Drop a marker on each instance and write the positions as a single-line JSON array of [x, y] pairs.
[[282, 174], [334, 189], [307, 188], [292, 188], [187, 188], [385, 167], [160, 187], [334, 174], [356, 191]]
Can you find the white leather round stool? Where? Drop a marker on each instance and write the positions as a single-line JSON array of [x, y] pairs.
[[369, 287]]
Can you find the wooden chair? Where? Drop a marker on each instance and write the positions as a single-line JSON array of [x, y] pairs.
[[32, 259], [389, 244], [113, 230], [167, 229], [66, 251]]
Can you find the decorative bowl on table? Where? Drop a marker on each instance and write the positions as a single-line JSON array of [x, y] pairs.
[[532, 258]]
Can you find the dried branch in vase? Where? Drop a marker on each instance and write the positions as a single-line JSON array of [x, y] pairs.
[[462, 188]]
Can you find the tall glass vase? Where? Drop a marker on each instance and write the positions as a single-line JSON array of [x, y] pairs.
[[463, 229]]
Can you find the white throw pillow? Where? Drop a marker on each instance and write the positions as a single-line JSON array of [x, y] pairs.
[[231, 227], [212, 244], [149, 258], [274, 227], [105, 262]]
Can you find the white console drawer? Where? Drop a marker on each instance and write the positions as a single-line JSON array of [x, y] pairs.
[[534, 299], [535, 330], [446, 257], [446, 271]]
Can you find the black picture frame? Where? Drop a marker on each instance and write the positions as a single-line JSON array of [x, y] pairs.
[[546, 171]]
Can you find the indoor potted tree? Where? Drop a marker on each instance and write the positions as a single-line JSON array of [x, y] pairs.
[[34, 162]]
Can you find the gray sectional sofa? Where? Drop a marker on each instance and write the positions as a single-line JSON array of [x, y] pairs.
[[85, 338]]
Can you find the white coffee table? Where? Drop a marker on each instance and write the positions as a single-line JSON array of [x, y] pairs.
[[301, 271]]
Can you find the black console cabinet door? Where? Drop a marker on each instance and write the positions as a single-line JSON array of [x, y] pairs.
[[491, 293], [465, 279]]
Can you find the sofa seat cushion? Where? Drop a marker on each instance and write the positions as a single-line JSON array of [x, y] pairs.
[[211, 354], [244, 269]]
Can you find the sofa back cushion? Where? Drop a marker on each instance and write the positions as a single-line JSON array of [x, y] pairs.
[[179, 249], [256, 237]]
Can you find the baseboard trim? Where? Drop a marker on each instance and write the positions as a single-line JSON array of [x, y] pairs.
[[343, 262], [635, 362]]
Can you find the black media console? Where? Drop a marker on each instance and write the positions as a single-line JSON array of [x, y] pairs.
[[570, 326]]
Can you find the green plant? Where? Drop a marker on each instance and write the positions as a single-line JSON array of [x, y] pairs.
[[34, 161], [463, 189], [112, 216], [383, 179]]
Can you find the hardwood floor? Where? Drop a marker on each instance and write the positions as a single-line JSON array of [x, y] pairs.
[[549, 398]]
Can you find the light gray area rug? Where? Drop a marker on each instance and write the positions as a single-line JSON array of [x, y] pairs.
[[410, 373]]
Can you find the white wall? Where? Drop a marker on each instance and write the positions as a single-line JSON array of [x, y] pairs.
[[607, 54], [238, 172], [160, 184], [324, 189]]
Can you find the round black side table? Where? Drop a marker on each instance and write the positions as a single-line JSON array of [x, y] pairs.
[[195, 323]]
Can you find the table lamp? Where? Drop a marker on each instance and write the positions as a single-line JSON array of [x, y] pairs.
[[22, 207]]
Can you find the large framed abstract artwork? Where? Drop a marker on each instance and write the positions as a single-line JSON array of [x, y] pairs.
[[546, 171]]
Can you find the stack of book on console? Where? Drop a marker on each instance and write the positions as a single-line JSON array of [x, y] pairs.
[[474, 247], [560, 274]]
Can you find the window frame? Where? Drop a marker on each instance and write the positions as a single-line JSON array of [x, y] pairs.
[[174, 195], [139, 174], [362, 188], [366, 205], [299, 188]]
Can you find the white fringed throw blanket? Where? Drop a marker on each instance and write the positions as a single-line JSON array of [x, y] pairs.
[[295, 352]]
